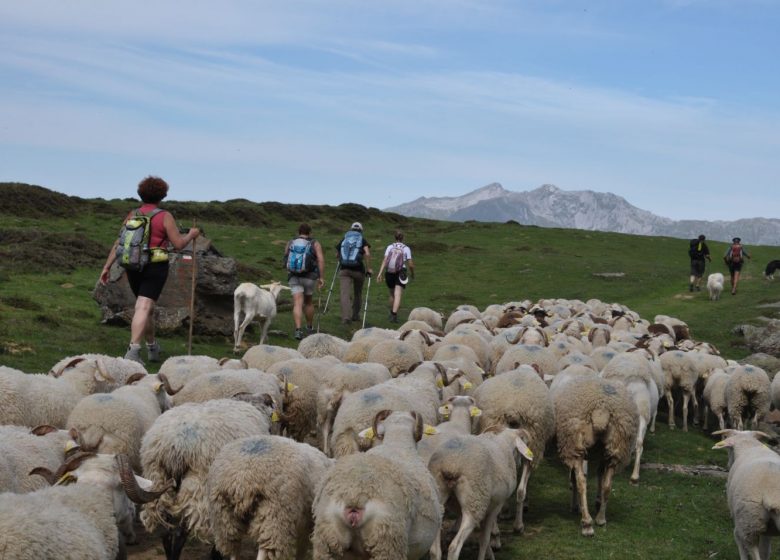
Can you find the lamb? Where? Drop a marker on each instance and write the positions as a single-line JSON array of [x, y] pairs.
[[396, 355], [715, 398], [225, 384], [181, 445], [321, 344], [591, 411], [262, 487], [752, 489], [481, 472], [382, 504], [715, 285], [254, 301], [519, 399], [680, 372], [427, 315], [747, 394], [264, 356], [22, 450], [116, 422]]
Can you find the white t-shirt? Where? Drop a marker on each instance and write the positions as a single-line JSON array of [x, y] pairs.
[[406, 249]]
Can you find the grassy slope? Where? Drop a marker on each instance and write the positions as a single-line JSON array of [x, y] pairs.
[[46, 311]]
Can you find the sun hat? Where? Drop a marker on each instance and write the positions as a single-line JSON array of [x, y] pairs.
[[357, 226], [736, 240], [403, 278]]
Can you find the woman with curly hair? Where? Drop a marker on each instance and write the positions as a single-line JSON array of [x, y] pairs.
[[148, 283]]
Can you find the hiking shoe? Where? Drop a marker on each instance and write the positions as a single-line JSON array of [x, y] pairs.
[[134, 353], [690, 287], [698, 288], [393, 317], [310, 331], [153, 351], [298, 334], [346, 321]]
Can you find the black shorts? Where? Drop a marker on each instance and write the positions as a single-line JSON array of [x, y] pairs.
[[150, 281], [735, 267], [391, 279], [697, 267]]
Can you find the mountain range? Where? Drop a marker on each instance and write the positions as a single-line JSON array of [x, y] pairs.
[[549, 206]]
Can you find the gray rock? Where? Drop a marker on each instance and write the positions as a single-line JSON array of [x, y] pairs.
[[770, 364], [764, 339]]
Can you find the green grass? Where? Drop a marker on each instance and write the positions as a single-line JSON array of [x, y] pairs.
[[50, 261]]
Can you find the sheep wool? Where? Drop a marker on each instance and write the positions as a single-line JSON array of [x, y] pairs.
[[396, 355], [747, 395], [264, 356]]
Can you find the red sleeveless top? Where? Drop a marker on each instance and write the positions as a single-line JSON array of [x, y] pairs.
[[157, 235]]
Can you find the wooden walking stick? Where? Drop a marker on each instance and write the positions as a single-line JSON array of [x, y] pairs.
[[192, 294]]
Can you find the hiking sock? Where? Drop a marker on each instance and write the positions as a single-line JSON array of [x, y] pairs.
[[134, 353], [153, 351]]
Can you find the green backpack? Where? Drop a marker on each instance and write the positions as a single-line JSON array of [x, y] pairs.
[[132, 252]]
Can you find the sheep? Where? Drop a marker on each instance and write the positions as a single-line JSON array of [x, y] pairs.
[[575, 357], [519, 399], [452, 351], [115, 422], [374, 332], [705, 364], [715, 398], [358, 349], [752, 492], [415, 325], [321, 344], [601, 356], [425, 342], [715, 285], [253, 301], [481, 472], [382, 504], [36, 399], [591, 411], [113, 371], [262, 488], [85, 518], [459, 413], [680, 372], [264, 356], [397, 355], [22, 450], [747, 394], [459, 317], [633, 370], [181, 369], [181, 445], [225, 384], [528, 355], [427, 315], [471, 339]]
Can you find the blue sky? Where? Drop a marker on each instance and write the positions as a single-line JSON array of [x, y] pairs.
[[672, 104]]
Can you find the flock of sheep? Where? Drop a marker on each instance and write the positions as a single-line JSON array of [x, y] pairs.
[[360, 448]]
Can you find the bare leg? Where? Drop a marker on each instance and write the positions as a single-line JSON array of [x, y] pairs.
[[522, 486], [144, 308], [308, 309], [586, 521], [606, 488], [670, 403], [298, 309], [397, 293]]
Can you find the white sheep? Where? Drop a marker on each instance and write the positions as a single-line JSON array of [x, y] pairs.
[[715, 398], [459, 317], [427, 315], [715, 285], [320, 344], [747, 395], [263, 356], [753, 492], [181, 369], [113, 371], [22, 450], [224, 384], [528, 354], [680, 372], [254, 301], [262, 488], [382, 504], [396, 355], [459, 413]]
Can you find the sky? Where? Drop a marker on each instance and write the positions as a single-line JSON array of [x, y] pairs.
[[672, 104]]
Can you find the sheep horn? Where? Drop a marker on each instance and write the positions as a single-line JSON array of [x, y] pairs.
[[380, 417], [426, 338], [70, 364], [130, 484], [440, 368], [101, 366], [223, 361], [135, 377], [404, 334], [414, 367], [50, 477], [518, 336], [167, 384], [43, 429], [72, 464]]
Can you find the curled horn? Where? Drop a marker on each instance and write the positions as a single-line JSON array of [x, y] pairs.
[[101, 367], [135, 377], [440, 368], [418, 426], [404, 334], [223, 361], [167, 384], [380, 417], [130, 484], [50, 477], [414, 367], [73, 463], [426, 338], [70, 364], [43, 429], [518, 336]]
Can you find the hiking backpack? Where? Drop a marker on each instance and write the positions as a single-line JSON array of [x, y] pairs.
[[132, 251], [697, 249], [736, 253], [395, 259], [300, 259], [351, 254]]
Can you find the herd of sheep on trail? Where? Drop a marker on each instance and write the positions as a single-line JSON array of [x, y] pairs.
[[359, 449]]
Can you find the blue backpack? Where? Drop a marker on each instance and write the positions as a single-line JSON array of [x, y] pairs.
[[300, 259], [351, 255]]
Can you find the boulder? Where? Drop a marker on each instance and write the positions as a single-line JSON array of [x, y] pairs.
[[764, 339], [770, 364], [216, 279]]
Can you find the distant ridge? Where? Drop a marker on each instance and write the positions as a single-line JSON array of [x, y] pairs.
[[549, 206]]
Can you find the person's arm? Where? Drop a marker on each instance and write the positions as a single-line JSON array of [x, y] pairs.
[[384, 264], [367, 259], [746, 253], [178, 240], [320, 264], [410, 266], [706, 252]]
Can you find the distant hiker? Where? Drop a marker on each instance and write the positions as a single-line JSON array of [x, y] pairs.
[[305, 268], [698, 251], [354, 257], [143, 252], [734, 257], [399, 266]]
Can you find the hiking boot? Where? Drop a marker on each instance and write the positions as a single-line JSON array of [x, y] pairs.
[[310, 331], [153, 351], [393, 317], [134, 353], [690, 287], [298, 334]]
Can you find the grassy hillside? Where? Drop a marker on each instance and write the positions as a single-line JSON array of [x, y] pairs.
[[52, 248]]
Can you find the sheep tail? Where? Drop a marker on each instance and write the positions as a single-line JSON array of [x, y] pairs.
[[772, 505], [600, 420], [450, 478]]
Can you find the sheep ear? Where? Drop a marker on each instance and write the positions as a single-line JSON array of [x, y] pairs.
[[524, 450], [475, 411], [444, 410], [724, 443]]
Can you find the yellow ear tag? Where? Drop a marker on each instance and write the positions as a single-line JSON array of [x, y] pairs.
[[368, 433], [274, 416], [439, 383], [444, 411], [430, 430], [157, 387], [70, 445], [667, 344], [586, 331], [475, 412], [467, 385], [291, 387], [529, 455]]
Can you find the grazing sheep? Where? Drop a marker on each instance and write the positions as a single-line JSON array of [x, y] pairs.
[[519, 399], [383, 504], [226, 383], [747, 395], [396, 355], [591, 411], [680, 372], [715, 285], [427, 315], [262, 488], [105, 372], [264, 356], [481, 473], [753, 492], [459, 317], [254, 301], [528, 355], [181, 445], [320, 345], [715, 398], [22, 450], [181, 369]]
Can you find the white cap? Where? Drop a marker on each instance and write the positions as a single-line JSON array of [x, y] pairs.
[[357, 226]]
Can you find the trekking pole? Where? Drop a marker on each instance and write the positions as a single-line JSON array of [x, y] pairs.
[[365, 307], [319, 314], [192, 295], [332, 282]]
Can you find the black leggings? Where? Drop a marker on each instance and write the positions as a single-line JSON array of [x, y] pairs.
[[150, 281]]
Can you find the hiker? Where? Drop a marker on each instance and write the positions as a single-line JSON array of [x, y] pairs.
[[399, 266], [148, 282], [698, 251], [354, 257], [305, 269], [734, 257]]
